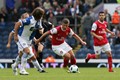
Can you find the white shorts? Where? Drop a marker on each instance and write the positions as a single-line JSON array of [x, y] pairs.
[[104, 48], [61, 49], [22, 43]]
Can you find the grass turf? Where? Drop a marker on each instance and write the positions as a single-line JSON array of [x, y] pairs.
[[61, 74]]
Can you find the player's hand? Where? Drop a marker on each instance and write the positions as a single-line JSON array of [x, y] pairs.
[[8, 45], [100, 37], [112, 33], [84, 43], [35, 40]]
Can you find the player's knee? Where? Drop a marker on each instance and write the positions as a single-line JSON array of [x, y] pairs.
[[97, 56], [26, 50], [67, 56]]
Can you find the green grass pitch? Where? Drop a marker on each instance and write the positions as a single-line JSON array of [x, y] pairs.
[[61, 74]]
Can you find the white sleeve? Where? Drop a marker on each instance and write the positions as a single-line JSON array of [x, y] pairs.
[[94, 27], [71, 32], [53, 31]]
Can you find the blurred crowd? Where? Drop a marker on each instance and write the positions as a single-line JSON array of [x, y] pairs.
[[56, 10]]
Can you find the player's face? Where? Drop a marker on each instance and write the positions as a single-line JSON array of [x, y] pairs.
[[26, 15], [101, 16], [65, 26]]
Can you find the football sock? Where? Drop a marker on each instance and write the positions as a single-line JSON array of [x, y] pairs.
[[66, 61], [17, 61], [39, 58], [73, 61], [36, 64], [93, 56], [110, 62], [23, 63]]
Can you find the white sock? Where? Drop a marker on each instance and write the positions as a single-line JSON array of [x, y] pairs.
[[23, 62], [17, 61], [36, 64]]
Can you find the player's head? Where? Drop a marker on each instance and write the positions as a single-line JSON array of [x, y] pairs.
[[24, 15], [101, 16], [38, 13], [65, 23]]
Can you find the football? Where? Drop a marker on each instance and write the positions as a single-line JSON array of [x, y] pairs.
[[73, 68]]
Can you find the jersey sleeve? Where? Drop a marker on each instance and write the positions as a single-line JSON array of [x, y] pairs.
[[53, 31], [94, 27], [71, 32], [27, 21]]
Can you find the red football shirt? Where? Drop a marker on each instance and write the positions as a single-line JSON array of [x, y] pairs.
[[99, 28], [59, 35]]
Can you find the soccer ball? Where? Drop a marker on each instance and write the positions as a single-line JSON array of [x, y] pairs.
[[73, 68]]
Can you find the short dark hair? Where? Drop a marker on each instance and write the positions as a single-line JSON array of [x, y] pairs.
[[65, 21], [101, 12], [38, 13]]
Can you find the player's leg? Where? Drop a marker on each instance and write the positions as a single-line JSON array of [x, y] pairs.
[[95, 55], [67, 49], [23, 65], [40, 55], [30, 55], [66, 58], [107, 50], [72, 58], [15, 64]]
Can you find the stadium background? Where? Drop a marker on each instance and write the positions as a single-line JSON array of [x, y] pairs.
[[10, 11]]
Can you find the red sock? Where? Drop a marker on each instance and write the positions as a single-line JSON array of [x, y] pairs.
[[73, 61], [66, 61], [93, 56], [110, 62]]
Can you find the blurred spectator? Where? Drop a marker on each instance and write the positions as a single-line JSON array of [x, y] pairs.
[[91, 2], [55, 5], [47, 5], [3, 14], [115, 19], [59, 14], [2, 23], [50, 59], [117, 40], [24, 2], [10, 4], [86, 7], [32, 4], [66, 11], [52, 19], [108, 18], [50, 11], [15, 15], [87, 22]]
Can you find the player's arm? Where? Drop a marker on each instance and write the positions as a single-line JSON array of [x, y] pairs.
[[112, 33], [94, 27], [16, 27], [52, 31], [43, 36], [9, 39]]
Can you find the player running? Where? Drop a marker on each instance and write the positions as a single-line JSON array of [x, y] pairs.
[[98, 31]]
